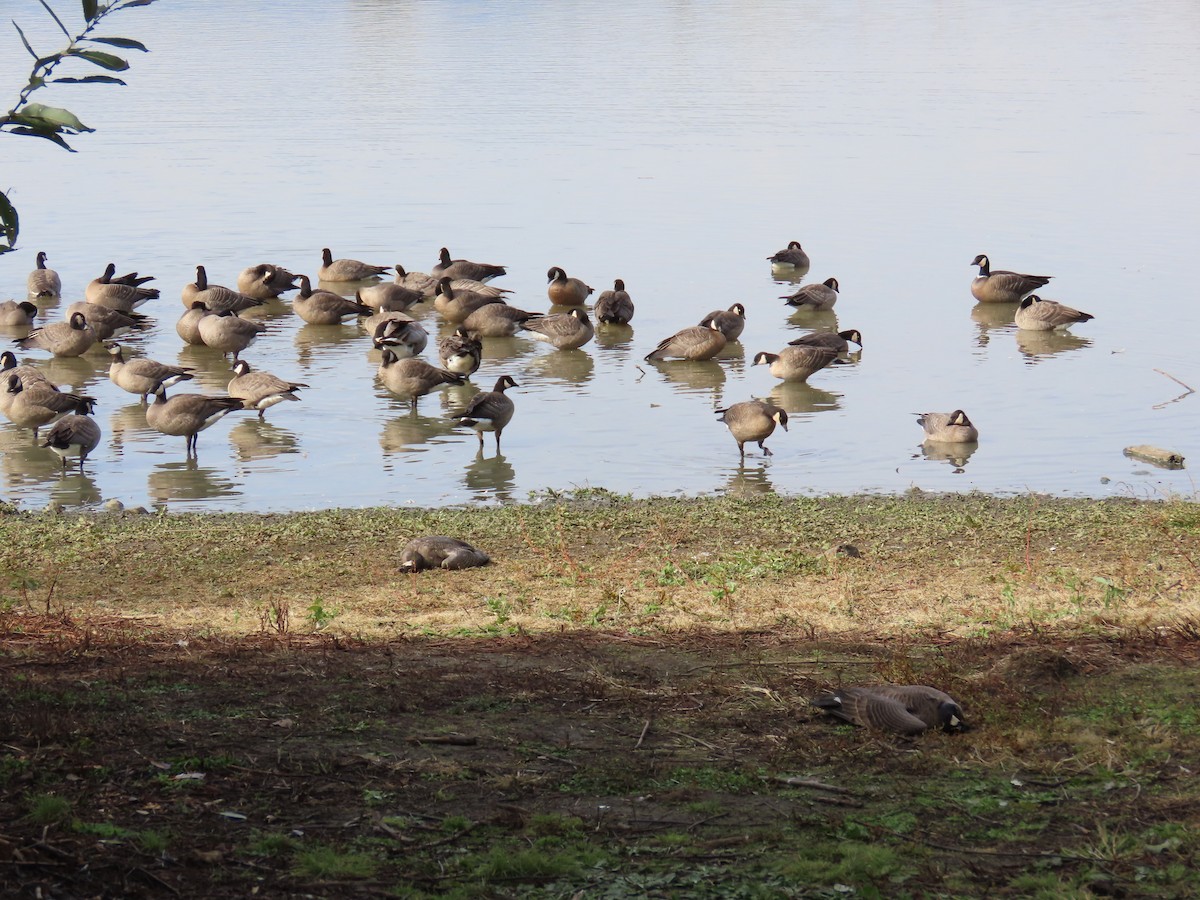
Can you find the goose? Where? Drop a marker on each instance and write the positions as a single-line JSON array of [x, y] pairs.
[[1002, 286], [260, 390], [188, 326], [495, 320], [372, 322], [41, 403], [143, 376], [753, 420], [389, 297], [1036, 314], [797, 363], [410, 379], [73, 435], [125, 293], [216, 297], [464, 268], [403, 335], [43, 282], [417, 281], [187, 414], [696, 342], [346, 269], [454, 305], [614, 307], [460, 353], [564, 291], [265, 281], [563, 331], [490, 410], [729, 322], [108, 323], [790, 259], [839, 343], [440, 552], [74, 337], [14, 313], [905, 708], [815, 296], [225, 332], [27, 374], [948, 428], [325, 307]]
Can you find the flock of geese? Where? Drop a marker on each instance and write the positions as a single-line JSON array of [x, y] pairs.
[[462, 296]]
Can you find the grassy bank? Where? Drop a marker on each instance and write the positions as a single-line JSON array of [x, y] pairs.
[[220, 706], [960, 565]]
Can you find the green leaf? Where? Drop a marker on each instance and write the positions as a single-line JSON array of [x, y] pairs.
[[48, 135], [24, 41], [127, 43], [103, 60], [10, 224], [89, 9], [55, 17], [89, 79], [61, 119]]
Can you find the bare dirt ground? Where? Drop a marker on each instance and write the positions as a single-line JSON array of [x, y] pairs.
[[141, 762]]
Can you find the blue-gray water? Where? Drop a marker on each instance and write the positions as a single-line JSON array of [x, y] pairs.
[[675, 146]]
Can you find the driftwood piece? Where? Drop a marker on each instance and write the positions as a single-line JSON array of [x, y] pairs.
[[1157, 456]]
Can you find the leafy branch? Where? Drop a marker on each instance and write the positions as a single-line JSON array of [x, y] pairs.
[[55, 123]]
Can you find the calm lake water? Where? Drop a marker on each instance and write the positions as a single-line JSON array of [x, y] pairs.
[[676, 146]]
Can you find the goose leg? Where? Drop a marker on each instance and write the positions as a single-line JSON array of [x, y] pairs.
[[766, 450]]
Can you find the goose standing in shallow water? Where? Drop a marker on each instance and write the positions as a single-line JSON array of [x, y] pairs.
[[216, 297], [839, 343], [18, 314], [454, 305], [791, 260], [107, 322], [43, 282], [496, 320], [614, 307], [464, 268], [404, 335], [225, 332], [39, 403], [563, 331], [265, 281], [1002, 286], [1036, 314], [187, 414], [905, 708], [73, 337], [949, 428], [325, 307], [460, 352], [490, 410], [440, 552], [696, 343], [410, 379], [260, 390], [797, 363], [125, 293], [730, 322], [143, 376], [73, 435], [346, 269], [753, 420], [564, 291], [815, 296]]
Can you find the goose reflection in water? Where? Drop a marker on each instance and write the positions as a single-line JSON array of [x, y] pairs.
[[311, 341], [490, 477], [75, 489], [799, 398], [1038, 345], [693, 376], [186, 480], [210, 370], [571, 366], [813, 319], [405, 432], [992, 317], [256, 438], [76, 371], [25, 462], [611, 336], [748, 481], [128, 424], [954, 454]]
